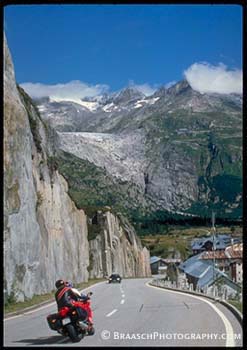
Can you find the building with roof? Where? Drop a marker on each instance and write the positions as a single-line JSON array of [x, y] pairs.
[[235, 251], [195, 269], [228, 260], [235, 255], [201, 273], [222, 261], [159, 265], [222, 241], [236, 271]]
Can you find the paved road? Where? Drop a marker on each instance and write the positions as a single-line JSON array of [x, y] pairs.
[[134, 314]]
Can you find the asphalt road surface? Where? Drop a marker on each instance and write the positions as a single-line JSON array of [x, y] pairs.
[[134, 314]]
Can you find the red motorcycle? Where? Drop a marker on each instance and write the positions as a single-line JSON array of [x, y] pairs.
[[75, 321]]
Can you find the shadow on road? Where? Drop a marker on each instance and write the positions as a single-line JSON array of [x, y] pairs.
[[56, 340]]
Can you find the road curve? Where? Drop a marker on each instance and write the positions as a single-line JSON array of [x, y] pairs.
[[135, 314]]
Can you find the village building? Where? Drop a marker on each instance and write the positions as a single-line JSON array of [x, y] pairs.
[[217, 267], [159, 265], [221, 241], [235, 254]]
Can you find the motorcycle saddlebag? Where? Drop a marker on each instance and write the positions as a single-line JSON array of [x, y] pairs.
[[77, 313], [54, 321]]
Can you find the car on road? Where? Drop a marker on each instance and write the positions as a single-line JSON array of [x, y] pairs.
[[115, 278]]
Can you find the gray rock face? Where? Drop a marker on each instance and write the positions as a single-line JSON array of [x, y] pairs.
[[122, 156], [169, 179], [45, 235], [117, 249]]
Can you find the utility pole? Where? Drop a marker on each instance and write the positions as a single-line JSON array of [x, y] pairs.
[[213, 229]]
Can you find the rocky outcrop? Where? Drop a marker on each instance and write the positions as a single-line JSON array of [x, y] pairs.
[[116, 249], [45, 234]]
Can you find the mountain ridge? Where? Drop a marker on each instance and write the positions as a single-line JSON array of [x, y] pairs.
[[176, 147]]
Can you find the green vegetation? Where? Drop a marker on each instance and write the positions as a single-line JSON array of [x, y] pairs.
[[12, 306], [93, 231], [35, 132], [52, 166], [227, 187], [177, 240], [172, 272], [39, 200], [33, 116], [92, 188], [167, 245], [91, 262], [223, 191], [238, 304]]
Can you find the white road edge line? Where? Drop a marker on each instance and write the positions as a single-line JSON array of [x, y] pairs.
[[45, 306], [229, 330], [30, 312], [111, 313]]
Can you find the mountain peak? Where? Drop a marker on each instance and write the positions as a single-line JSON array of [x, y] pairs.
[[180, 87], [175, 89], [128, 94]]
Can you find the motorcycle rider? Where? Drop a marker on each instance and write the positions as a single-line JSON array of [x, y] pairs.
[[64, 295], [82, 298]]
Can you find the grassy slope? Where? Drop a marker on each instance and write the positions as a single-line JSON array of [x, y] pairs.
[[237, 304], [37, 299]]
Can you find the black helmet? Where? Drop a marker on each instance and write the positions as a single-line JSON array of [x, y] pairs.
[[59, 283]]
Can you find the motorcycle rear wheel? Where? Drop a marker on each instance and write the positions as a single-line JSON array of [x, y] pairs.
[[73, 334]]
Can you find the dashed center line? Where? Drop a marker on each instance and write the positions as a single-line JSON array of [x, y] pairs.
[[111, 313], [122, 301]]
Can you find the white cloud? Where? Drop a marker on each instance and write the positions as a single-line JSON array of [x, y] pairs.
[[73, 90], [146, 89], [207, 78]]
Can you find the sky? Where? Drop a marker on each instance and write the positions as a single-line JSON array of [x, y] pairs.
[[92, 49]]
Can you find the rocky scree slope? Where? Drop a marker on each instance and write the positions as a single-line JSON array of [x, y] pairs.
[[46, 236]]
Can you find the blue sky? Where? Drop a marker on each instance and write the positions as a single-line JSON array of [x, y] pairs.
[[119, 44]]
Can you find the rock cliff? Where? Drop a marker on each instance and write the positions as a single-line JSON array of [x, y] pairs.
[[116, 248], [45, 234]]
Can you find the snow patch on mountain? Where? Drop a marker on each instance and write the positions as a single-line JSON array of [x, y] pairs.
[[150, 101], [110, 107]]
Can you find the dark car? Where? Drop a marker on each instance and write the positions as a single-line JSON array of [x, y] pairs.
[[115, 278]]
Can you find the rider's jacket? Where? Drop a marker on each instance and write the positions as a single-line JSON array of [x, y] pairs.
[[64, 297]]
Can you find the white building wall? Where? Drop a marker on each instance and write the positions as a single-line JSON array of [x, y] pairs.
[[239, 272]]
